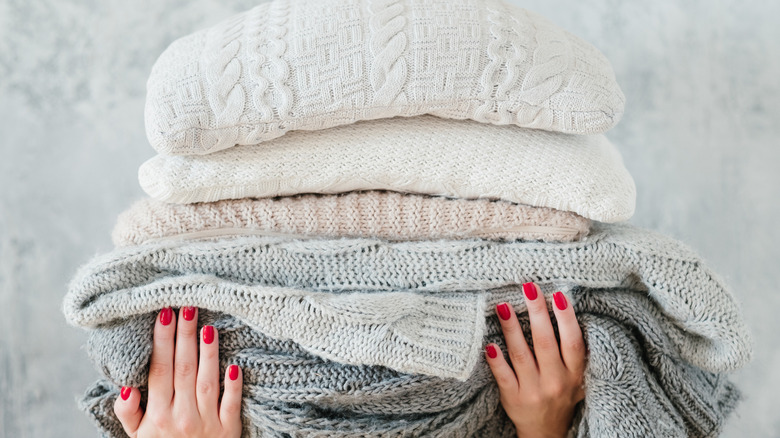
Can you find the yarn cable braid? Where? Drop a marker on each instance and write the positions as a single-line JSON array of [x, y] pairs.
[[493, 110], [388, 43], [226, 95]]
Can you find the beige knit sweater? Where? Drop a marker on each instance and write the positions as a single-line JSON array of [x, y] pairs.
[[377, 213]]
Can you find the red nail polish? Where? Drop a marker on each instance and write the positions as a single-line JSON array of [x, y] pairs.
[[208, 334], [530, 291], [125, 392], [491, 351], [166, 315], [503, 311], [560, 300], [233, 372], [188, 313]]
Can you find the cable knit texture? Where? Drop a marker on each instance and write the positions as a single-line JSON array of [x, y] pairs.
[[314, 64], [262, 279], [423, 155], [638, 384], [376, 213]]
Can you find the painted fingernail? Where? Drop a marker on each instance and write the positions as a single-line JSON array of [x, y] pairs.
[[503, 311], [188, 313], [560, 300], [530, 291], [233, 372], [166, 315], [208, 334], [125, 392], [491, 351]]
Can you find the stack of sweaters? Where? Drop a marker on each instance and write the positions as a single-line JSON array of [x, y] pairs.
[[347, 188]]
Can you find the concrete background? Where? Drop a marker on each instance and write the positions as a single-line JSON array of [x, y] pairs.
[[700, 136]]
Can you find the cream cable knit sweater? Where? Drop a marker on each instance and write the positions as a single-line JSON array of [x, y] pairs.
[[380, 214], [423, 155], [314, 64]]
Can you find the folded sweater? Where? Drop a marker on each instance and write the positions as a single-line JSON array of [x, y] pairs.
[[637, 384], [423, 155], [382, 214], [313, 64], [268, 280]]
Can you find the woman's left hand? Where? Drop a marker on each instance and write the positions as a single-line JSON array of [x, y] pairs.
[[539, 395]]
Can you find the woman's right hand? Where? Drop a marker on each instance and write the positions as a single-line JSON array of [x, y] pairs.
[[183, 399]]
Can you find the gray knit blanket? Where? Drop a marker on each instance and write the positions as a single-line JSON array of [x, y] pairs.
[[363, 337]]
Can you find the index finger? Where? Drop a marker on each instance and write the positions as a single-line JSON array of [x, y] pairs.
[[572, 344], [161, 364]]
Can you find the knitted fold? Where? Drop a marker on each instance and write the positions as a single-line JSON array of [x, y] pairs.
[[423, 155], [637, 383], [253, 277], [314, 64], [381, 214]]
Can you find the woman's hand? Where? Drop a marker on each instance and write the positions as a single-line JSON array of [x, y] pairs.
[[540, 394], [183, 393]]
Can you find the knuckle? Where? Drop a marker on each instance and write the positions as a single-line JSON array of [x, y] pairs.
[[546, 343], [159, 369], [510, 399], [163, 336], [555, 390], [119, 409], [159, 420], [231, 408], [209, 353], [206, 388], [511, 327], [185, 369], [538, 306], [578, 381], [187, 329], [186, 425], [576, 346], [533, 399], [519, 355], [504, 380]]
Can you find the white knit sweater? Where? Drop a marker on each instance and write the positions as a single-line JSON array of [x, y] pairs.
[[424, 155], [313, 64]]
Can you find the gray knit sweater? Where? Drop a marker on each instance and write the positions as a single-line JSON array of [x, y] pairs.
[[345, 337]]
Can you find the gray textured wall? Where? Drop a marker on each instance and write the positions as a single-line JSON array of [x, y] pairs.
[[700, 136]]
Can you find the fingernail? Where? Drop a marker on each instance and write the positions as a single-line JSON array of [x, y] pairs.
[[503, 311], [125, 392], [233, 372], [560, 300], [530, 291], [188, 313], [208, 334], [166, 315], [491, 351]]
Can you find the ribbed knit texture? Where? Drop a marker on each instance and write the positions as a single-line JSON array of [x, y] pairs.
[[314, 64], [423, 155], [637, 384], [380, 214], [269, 281]]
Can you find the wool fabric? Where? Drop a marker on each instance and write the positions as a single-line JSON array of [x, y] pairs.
[[636, 382], [313, 64], [376, 213], [423, 155], [268, 280]]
